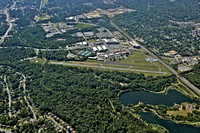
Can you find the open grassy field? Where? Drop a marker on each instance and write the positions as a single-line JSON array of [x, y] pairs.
[[91, 40], [44, 16], [181, 112], [83, 26], [39, 60], [163, 69], [44, 3], [138, 60]]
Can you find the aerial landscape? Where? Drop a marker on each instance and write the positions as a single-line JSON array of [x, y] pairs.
[[99, 66]]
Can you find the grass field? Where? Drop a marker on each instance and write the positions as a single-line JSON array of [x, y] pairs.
[[44, 3], [91, 40], [181, 112], [138, 59], [43, 17], [39, 60], [166, 61], [164, 69], [83, 26]]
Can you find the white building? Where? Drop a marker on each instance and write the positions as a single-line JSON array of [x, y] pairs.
[[99, 48], [104, 47], [94, 49]]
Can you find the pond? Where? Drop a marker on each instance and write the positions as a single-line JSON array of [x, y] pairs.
[[172, 97], [171, 126]]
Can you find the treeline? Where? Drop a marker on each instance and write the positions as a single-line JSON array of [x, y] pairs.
[[15, 54], [81, 96], [53, 55], [194, 75]]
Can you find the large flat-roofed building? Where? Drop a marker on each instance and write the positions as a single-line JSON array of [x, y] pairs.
[[78, 34], [98, 42], [134, 44], [104, 47], [99, 48], [94, 49], [111, 41], [88, 34], [104, 35]]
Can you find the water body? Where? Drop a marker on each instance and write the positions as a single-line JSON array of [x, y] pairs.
[[169, 125], [172, 97]]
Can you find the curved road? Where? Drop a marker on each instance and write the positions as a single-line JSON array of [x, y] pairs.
[[6, 11], [9, 97], [184, 80], [24, 86]]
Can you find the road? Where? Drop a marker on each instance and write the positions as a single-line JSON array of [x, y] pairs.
[[37, 49], [61, 127], [102, 67], [9, 97], [25, 97], [6, 11], [184, 80]]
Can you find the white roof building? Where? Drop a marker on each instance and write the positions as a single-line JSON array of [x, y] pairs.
[[99, 48], [104, 47], [94, 49]]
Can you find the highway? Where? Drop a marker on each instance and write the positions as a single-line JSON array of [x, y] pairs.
[[184, 80]]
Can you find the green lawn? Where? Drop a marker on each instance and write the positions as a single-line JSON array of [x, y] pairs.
[[175, 113], [138, 59], [44, 16], [39, 60], [91, 40]]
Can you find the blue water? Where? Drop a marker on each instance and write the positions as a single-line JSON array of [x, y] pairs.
[[172, 97], [171, 126]]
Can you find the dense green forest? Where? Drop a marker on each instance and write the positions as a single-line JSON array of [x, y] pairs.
[[3, 24], [81, 96], [194, 75], [53, 55], [4, 3], [15, 54]]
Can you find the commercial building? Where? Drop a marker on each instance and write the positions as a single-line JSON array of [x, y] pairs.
[[111, 41], [88, 34]]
